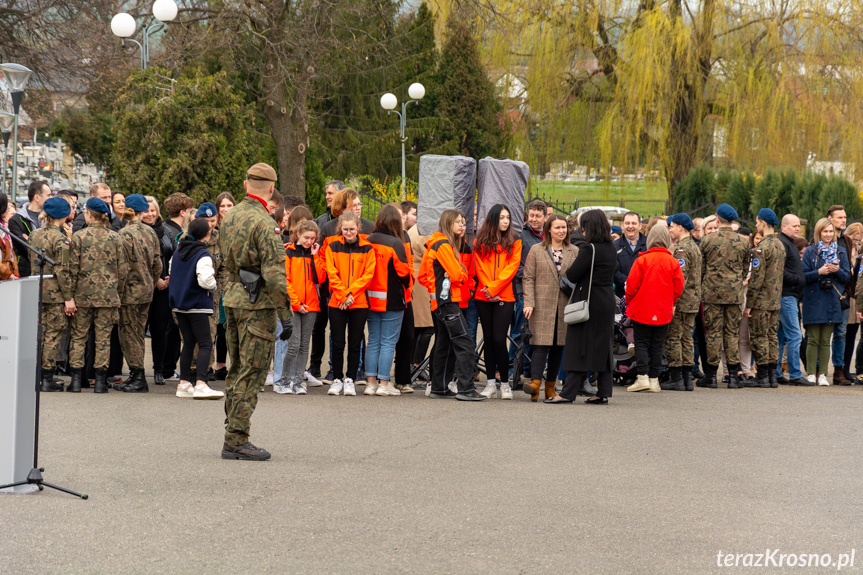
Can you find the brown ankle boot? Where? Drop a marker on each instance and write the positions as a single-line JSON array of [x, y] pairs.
[[532, 388], [549, 389]]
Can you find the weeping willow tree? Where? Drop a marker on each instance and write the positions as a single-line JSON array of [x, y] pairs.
[[665, 85]]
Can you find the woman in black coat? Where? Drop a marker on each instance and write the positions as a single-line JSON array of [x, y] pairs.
[[589, 344], [160, 318]]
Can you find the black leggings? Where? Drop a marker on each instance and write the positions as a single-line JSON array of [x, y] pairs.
[[405, 347], [195, 328], [354, 320], [649, 347], [495, 318], [221, 344], [160, 316], [319, 332]]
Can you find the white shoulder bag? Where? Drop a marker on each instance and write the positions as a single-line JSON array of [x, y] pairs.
[[579, 312]]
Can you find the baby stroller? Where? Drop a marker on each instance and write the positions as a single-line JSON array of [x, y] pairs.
[[624, 364]]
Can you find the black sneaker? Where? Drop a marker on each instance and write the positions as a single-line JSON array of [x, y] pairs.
[[211, 375], [471, 395], [245, 452], [445, 395], [158, 378], [328, 378], [221, 373]]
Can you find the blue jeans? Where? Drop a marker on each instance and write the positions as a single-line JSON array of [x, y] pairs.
[[279, 356], [384, 329], [789, 337], [472, 317], [839, 340]]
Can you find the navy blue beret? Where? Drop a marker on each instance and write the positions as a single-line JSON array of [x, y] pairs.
[[682, 220], [57, 208], [726, 212], [97, 205], [138, 203], [616, 230], [207, 210], [769, 216]]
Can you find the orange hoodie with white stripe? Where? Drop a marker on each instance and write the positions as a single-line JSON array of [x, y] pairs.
[[440, 261], [496, 270]]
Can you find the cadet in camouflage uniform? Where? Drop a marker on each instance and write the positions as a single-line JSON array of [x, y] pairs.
[[725, 257], [97, 272], [764, 298], [248, 243], [55, 290], [144, 266], [679, 343]]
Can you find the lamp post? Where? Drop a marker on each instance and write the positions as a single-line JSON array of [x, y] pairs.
[[7, 122], [123, 25], [416, 91], [17, 77]]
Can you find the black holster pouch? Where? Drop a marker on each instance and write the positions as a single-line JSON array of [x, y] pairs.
[[252, 282]]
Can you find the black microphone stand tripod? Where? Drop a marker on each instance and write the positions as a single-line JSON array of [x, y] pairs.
[[35, 475]]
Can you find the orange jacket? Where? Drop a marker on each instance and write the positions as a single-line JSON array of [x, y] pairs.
[[330, 232], [386, 291], [440, 259], [466, 288], [305, 273], [495, 270], [350, 268]]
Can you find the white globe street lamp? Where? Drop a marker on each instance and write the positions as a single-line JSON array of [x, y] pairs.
[[389, 102], [124, 25], [165, 10], [16, 77]]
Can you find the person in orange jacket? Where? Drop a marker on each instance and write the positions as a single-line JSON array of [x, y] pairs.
[[386, 294], [440, 270], [497, 255], [350, 262], [305, 273]]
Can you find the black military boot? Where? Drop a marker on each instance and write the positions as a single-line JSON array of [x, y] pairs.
[[734, 381], [771, 375], [709, 379], [137, 382], [120, 385], [101, 383], [48, 381], [761, 378], [687, 379], [75, 383], [675, 380]]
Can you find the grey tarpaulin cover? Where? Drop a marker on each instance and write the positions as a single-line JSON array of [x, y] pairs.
[[446, 182], [502, 182]]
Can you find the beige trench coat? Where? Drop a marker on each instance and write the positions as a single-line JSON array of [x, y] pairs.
[[542, 293], [421, 300]]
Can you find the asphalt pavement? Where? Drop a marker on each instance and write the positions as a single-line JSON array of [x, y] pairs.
[[652, 483]]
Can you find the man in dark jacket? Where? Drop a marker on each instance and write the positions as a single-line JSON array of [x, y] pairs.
[[26, 221], [531, 235], [629, 247], [103, 192], [330, 190], [793, 282]]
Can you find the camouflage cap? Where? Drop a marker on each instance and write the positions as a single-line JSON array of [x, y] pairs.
[[263, 172]]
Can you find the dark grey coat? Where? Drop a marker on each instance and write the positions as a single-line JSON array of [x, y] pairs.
[[589, 344]]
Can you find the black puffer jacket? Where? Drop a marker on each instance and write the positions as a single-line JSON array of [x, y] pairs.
[[165, 245], [793, 279]]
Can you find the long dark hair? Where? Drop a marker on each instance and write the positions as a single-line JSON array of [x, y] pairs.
[[594, 226], [490, 236], [4, 205], [389, 221]]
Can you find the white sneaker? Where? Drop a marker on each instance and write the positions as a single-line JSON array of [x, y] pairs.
[[349, 387], [490, 389], [299, 389], [811, 379], [269, 378], [388, 389], [505, 391], [204, 392], [284, 388], [428, 389], [453, 386], [311, 380], [336, 387], [371, 389], [642, 383], [822, 380], [187, 390]]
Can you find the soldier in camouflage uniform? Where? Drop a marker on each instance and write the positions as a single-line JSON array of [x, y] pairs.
[[725, 256], [55, 290], [97, 272], [248, 243], [764, 298], [144, 266], [679, 349]]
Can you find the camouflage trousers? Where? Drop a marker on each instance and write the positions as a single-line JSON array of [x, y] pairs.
[[103, 320], [763, 336], [251, 337], [722, 324], [54, 323], [679, 345], [133, 323]]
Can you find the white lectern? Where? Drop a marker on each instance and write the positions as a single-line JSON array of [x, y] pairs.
[[18, 380]]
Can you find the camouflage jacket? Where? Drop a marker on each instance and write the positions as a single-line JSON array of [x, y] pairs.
[[725, 259], [689, 257], [248, 241], [143, 261], [765, 280], [54, 242], [214, 246], [97, 267]]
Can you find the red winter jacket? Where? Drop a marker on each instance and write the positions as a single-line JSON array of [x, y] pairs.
[[654, 285]]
